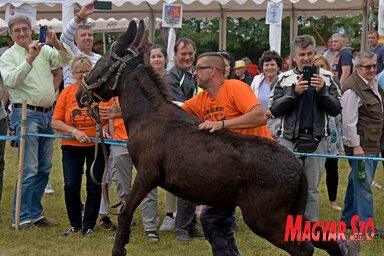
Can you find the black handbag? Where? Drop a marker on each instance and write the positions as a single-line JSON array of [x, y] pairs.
[[305, 143]]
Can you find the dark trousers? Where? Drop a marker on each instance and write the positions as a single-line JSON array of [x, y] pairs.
[[73, 162], [185, 221], [218, 230], [332, 178], [3, 131]]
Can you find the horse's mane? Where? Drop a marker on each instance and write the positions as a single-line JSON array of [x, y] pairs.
[[153, 85]]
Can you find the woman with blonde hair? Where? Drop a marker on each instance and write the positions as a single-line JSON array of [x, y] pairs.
[[69, 119], [322, 62]]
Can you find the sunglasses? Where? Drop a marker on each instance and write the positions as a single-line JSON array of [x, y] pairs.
[[369, 67]]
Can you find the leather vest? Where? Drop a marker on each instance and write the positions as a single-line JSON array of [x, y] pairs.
[[370, 122]]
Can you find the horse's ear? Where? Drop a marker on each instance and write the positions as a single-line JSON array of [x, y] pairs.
[[127, 38], [139, 34]]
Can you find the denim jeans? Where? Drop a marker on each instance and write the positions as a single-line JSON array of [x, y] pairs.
[[358, 197], [37, 163], [73, 163]]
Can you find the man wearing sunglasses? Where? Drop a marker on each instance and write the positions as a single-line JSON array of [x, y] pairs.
[[231, 105], [363, 122]]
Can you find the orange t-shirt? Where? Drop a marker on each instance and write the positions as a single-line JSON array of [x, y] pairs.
[[234, 99], [68, 111], [118, 124]]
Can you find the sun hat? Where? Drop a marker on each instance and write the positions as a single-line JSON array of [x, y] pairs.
[[239, 64]]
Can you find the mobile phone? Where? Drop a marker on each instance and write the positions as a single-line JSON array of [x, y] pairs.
[[43, 34], [102, 5], [308, 72]]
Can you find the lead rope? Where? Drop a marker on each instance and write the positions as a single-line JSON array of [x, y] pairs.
[[104, 185]]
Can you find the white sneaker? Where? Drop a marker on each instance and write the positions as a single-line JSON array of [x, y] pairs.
[[376, 185], [168, 224], [48, 189]]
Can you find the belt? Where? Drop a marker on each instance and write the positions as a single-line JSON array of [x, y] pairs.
[[34, 108]]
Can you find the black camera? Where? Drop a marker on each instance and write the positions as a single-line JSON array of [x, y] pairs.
[[102, 5], [43, 34], [308, 72]]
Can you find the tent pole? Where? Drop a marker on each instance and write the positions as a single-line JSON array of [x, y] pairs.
[[292, 26], [364, 32], [222, 29], [104, 44]]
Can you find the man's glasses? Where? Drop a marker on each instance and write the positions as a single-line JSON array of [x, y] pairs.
[[18, 30], [369, 67], [199, 68]]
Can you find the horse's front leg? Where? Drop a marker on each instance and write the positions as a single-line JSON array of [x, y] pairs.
[[141, 187]]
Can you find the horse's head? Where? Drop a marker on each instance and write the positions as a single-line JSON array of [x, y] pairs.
[[101, 83]]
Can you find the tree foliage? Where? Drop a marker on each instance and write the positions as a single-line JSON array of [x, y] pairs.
[[251, 37], [351, 26]]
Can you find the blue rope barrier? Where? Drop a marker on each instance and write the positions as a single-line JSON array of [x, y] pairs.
[[107, 141], [3, 137], [340, 157], [124, 143]]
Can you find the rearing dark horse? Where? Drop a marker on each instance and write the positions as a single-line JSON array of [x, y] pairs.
[[224, 169]]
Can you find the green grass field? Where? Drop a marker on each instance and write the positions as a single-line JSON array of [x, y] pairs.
[[50, 241]]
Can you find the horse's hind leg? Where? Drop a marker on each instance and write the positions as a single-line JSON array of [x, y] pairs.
[[271, 226], [141, 187]]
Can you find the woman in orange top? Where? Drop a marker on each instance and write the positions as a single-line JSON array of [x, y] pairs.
[[69, 119]]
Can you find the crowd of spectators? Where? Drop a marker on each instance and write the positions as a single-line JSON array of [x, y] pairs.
[[338, 108]]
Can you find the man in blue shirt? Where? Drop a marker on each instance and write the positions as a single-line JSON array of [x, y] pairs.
[[342, 66], [378, 49]]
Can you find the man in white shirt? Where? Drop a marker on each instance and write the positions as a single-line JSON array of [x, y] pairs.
[[363, 121], [80, 39]]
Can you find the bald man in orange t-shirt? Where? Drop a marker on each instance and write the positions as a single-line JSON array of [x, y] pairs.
[[231, 105]]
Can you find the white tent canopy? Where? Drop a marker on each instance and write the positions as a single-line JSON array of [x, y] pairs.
[[129, 9], [63, 9], [98, 26]]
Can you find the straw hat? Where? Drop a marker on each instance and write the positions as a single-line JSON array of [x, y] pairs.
[[239, 64]]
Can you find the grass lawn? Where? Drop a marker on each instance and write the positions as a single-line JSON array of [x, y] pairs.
[[50, 241]]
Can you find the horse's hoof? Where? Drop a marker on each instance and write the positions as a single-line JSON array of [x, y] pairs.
[[117, 252]]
